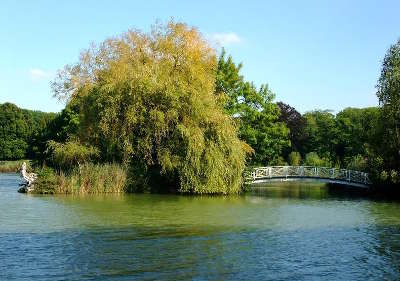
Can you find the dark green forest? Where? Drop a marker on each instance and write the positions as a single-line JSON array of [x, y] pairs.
[[170, 111], [20, 130]]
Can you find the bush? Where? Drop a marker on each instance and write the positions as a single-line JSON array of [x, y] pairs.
[[294, 158], [357, 163], [394, 176], [384, 176], [47, 181], [312, 159], [66, 156], [278, 161]]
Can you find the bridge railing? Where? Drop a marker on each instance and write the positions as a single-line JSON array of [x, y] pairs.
[[306, 172]]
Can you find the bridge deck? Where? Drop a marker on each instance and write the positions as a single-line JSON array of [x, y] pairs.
[[296, 173]]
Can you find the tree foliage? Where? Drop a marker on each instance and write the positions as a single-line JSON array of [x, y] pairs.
[[348, 139], [18, 130], [295, 122], [294, 158], [321, 132], [148, 100], [256, 114], [178, 117], [313, 159], [388, 92], [68, 155], [357, 130]]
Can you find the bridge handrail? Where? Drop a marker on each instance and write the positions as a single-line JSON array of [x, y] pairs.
[[307, 172]]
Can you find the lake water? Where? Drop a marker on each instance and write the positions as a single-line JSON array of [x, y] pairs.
[[290, 232]]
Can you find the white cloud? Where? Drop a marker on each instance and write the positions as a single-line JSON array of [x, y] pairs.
[[225, 39], [37, 74]]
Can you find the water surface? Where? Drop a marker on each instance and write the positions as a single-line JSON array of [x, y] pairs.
[[290, 232]]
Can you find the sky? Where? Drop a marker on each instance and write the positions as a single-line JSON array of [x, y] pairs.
[[312, 54]]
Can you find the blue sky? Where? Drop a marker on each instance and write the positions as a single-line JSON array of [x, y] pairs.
[[313, 54]]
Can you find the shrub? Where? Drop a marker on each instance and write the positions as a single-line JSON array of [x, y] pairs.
[[312, 159], [278, 161], [357, 163], [394, 176], [46, 182], [68, 155], [384, 176], [294, 158]]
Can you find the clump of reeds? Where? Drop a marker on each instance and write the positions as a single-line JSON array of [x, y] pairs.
[[85, 179]]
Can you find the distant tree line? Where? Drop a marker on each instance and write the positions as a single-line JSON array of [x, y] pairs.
[[166, 107], [19, 131]]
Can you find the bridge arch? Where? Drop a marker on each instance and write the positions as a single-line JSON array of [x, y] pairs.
[[297, 173]]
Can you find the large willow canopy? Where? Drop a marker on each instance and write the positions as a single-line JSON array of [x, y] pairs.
[[149, 100]]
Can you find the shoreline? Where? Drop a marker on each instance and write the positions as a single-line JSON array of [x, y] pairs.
[[375, 192]]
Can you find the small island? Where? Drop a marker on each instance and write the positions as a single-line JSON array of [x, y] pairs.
[[160, 112]]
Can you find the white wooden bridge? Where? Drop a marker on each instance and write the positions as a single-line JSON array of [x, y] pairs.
[[297, 173]]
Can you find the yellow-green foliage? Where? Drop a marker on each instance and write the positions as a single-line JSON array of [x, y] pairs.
[[312, 159], [149, 100], [88, 179], [70, 154], [294, 158], [358, 163]]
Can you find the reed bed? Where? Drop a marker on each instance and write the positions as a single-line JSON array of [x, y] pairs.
[[86, 179]]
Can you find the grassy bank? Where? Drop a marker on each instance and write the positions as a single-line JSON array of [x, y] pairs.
[[88, 179], [12, 166]]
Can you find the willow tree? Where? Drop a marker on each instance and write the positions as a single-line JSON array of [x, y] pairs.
[[388, 92], [147, 100]]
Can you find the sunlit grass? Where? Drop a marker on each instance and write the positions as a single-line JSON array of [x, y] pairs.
[[12, 166]]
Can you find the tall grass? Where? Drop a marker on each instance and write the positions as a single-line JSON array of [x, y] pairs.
[[87, 179], [12, 166]]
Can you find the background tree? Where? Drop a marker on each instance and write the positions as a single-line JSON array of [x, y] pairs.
[[357, 129], [296, 124], [14, 132], [388, 92], [322, 134], [18, 130], [254, 110]]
